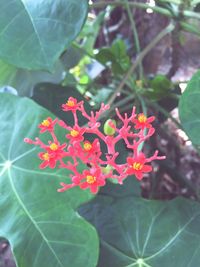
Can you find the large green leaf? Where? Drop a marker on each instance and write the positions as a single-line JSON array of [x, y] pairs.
[[24, 80], [41, 225], [189, 109], [136, 232], [7, 73], [52, 96], [33, 34]]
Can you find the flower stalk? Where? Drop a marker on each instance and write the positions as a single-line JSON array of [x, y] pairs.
[[98, 166]]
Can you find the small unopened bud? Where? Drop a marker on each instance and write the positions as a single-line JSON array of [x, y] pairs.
[[109, 127], [107, 169]]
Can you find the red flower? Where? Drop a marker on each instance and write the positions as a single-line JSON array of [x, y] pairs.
[[137, 166], [53, 153], [71, 104], [142, 121], [48, 160], [56, 148], [91, 148], [47, 125], [92, 179], [76, 134], [100, 157]]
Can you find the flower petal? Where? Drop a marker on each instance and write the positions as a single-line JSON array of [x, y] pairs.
[[94, 189], [147, 168], [44, 164], [139, 175], [84, 185]]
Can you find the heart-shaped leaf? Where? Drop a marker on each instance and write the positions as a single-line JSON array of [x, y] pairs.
[[189, 110], [33, 34], [136, 232], [41, 225], [57, 95], [24, 81]]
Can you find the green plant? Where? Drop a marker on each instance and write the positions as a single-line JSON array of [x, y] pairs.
[[49, 52]]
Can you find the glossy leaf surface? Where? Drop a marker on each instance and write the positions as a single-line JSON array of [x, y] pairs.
[[136, 232], [33, 34], [41, 225], [189, 109], [52, 96]]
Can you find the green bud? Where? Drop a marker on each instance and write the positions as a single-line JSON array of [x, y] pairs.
[[107, 169], [108, 130]]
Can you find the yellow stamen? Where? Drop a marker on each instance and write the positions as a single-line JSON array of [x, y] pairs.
[[70, 103], [74, 133], [137, 166], [87, 146], [53, 147], [90, 179], [142, 118], [46, 156], [46, 123]]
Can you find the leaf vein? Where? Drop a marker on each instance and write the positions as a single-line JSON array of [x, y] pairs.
[[31, 219]]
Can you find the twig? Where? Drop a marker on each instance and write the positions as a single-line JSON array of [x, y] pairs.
[[140, 57], [135, 36], [157, 9]]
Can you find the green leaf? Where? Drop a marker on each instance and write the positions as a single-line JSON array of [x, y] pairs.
[[189, 27], [189, 111], [41, 225], [195, 2], [160, 87], [136, 232], [178, 2], [33, 34], [24, 81], [130, 187], [72, 56], [116, 55], [52, 96], [91, 29], [7, 73], [102, 95]]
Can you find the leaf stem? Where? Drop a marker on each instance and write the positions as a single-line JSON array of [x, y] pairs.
[[135, 36], [191, 14]]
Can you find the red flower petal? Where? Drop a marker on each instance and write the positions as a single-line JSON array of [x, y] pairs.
[[94, 189], [44, 164], [52, 163], [84, 185], [147, 168], [139, 175]]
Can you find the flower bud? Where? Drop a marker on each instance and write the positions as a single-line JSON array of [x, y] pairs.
[[107, 169], [109, 127]]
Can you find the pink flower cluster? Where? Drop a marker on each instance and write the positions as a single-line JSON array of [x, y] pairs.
[[133, 129]]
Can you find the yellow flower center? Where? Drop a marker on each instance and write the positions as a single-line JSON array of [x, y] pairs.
[[45, 156], [74, 133], [70, 103], [142, 118], [90, 179], [46, 123], [137, 166], [87, 146], [53, 147]]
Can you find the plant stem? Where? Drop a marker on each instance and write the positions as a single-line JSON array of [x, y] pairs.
[[191, 14], [157, 9], [120, 103], [135, 36], [140, 57]]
